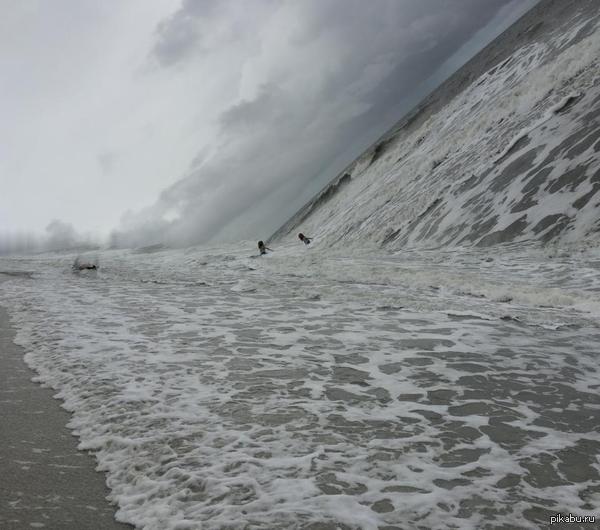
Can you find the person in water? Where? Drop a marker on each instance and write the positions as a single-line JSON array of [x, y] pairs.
[[304, 239], [263, 248]]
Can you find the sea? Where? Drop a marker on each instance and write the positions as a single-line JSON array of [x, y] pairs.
[[430, 361], [319, 389]]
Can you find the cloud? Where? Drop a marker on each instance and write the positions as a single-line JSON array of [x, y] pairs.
[[59, 235], [180, 33], [107, 161], [325, 74], [211, 119], [198, 27]]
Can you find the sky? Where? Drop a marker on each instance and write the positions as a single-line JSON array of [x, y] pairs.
[[186, 121]]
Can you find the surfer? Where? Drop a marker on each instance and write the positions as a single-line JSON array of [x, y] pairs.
[[263, 248], [304, 239]]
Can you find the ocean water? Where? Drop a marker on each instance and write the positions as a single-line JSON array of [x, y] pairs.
[[431, 361], [507, 150], [324, 389]]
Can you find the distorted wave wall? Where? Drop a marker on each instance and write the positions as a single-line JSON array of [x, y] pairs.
[[506, 150]]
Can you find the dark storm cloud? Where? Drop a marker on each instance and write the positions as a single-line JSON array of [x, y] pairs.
[[347, 64]]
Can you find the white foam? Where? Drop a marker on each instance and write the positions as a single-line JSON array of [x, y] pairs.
[[207, 403], [522, 97]]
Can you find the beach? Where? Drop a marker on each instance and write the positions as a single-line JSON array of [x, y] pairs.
[[45, 482]]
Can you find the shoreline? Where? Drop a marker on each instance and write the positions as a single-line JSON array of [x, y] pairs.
[[45, 481]]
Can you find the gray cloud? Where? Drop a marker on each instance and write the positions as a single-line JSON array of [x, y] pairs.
[[59, 235], [197, 25], [226, 115], [176, 40], [346, 65], [107, 161]]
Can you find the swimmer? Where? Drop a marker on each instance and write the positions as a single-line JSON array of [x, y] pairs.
[[304, 239], [263, 248]]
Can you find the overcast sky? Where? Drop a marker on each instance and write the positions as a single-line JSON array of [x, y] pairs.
[[180, 121]]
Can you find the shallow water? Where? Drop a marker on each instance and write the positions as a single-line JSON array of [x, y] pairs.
[[313, 389]]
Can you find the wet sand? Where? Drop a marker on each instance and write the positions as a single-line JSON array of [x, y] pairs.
[[45, 482]]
